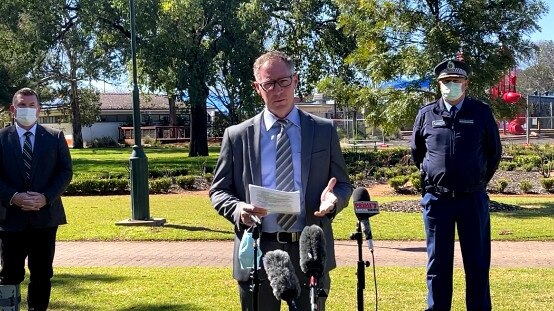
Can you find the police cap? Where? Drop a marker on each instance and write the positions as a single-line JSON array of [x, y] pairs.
[[452, 68]]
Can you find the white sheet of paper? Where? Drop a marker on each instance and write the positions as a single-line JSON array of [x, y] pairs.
[[275, 201]]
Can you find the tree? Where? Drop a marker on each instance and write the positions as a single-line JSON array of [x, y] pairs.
[[188, 47], [538, 72], [77, 45], [405, 39], [308, 30]]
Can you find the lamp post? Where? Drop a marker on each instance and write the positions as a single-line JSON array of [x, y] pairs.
[[138, 162]]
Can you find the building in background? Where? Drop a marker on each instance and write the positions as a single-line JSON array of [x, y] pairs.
[[116, 119]]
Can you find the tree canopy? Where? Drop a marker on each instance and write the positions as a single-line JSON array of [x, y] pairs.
[[406, 39]]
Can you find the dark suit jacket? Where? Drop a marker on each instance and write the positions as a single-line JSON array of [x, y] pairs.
[[239, 165], [51, 173]]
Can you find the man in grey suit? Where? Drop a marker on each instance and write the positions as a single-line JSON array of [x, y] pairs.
[[249, 155], [35, 169]]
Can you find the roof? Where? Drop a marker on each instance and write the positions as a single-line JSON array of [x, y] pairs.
[[124, 101]]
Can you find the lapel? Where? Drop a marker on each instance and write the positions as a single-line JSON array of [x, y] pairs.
[[307, 134], [17, 152], [253, 141]]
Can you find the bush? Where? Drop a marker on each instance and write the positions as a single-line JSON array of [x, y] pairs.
[[209, 177], [186, 182], [528, 167], [415, 179], [548, 184], [89, 184], [104, 142], [398, 181], [501, 185], [160, 185], [167, 172], [527, 160], [525, 186], [507, 166]]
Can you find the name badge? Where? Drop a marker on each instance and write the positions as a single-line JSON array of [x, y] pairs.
[[465, 121], [439, 123]]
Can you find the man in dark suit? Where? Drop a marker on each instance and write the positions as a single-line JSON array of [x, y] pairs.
[[249, 155], [35, 169]]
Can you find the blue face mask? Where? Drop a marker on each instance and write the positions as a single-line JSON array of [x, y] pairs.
[[246, 251]]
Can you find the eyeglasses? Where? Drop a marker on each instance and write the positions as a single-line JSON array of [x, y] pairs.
[[270, 85]]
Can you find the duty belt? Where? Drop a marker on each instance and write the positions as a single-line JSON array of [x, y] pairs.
[[281, 237]]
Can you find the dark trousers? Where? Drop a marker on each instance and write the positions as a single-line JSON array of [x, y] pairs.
[[267, 301], [470, 212], [38, 246]]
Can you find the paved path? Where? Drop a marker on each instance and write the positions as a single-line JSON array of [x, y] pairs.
[[218, 254]]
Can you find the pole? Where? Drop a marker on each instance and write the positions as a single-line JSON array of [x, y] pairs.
[[527, 121], [138, 161], [360, 271]]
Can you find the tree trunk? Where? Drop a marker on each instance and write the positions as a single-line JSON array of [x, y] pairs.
[[172, 115], [75, 111], [198, 94]]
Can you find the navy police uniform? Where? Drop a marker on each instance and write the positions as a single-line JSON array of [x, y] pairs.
[[457, 155]]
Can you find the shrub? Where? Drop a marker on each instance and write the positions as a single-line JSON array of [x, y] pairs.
[[398, 181], [548, 184], [104, 142], [501, 185], [90, 184], [415, 179], [186, 182], [167, 172], [160, 185], [209, 177], [507, 166], [528, 167], [526, 160], [525, 186]]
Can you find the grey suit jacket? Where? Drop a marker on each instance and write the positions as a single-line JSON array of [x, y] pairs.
[[239, 165], [51, 173]]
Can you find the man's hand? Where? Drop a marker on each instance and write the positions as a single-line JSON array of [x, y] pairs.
[[29, 201], [328, 199], [250, 211]]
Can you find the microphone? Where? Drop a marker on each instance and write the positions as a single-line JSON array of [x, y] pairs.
[[365, 208], [312, 251], [282, 277]]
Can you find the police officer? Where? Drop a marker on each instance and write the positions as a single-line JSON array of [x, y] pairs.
[[456, 145]]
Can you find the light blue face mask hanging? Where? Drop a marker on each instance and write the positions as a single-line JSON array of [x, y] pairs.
[[246, 251]]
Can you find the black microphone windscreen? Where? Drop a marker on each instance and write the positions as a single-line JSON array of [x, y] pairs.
[[360, 194], [312, 251], [281, 275]]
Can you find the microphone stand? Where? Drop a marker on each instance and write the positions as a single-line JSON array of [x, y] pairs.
[[255, 277], [314, 293], [360, 272]]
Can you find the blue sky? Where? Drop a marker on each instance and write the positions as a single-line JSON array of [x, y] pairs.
[[546, 23]]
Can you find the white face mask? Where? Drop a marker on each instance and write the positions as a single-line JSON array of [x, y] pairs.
[[451, 91], [26, 116]]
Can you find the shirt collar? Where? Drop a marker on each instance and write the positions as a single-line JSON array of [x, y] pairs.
[[270, 118], [21, 131], [448, 106]]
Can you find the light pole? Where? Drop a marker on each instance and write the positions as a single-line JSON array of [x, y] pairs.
[[138, 162]]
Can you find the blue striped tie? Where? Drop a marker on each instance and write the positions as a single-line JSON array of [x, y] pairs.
[[284, 177], [27, 155]]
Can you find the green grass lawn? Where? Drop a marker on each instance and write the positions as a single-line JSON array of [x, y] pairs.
[[191, 217], [181, 289]]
